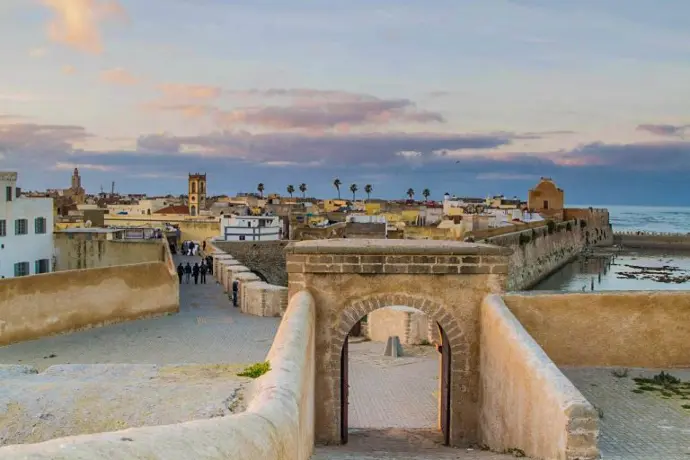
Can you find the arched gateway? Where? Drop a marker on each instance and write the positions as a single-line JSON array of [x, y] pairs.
[[350, 278]]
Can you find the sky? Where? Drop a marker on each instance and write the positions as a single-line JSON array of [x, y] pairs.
[[458, 96]]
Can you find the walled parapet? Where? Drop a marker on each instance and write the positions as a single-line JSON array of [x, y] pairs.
[[230, 273], [526, 402], [663, 241], [265, 257], [217, 258], [243, 280], [278, 422], [263, 299], [36, 306]]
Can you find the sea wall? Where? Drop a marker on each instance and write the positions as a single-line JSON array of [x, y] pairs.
[[78, 253], [526, 403], [627, 328], [664, 241], [36, 306], [537, 252], [278, 423], [267, 258]]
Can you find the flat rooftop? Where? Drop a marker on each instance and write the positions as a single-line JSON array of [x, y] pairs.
[[89, 230]]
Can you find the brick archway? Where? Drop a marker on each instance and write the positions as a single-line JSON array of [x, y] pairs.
[[350, 278], [435, 310]]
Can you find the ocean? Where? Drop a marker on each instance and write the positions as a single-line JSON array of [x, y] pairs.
[[649, 218], [632, 270]]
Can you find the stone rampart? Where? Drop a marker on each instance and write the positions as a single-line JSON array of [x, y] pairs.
[[526, 402], [264, 257], [77, 253], [663, 241], [36, 306], [627, 328], [263, 299], [278, 423]]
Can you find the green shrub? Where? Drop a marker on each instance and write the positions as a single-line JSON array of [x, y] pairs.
[[256, 370], [524, 239], [550, 226]]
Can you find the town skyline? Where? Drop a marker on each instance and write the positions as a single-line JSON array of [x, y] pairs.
[[462, 98]]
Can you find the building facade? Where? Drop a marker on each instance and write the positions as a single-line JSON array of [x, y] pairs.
[[26, 231], [197, 194], [546, 198], [251, 228]]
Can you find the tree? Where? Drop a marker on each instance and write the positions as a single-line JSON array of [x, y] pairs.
[[337, 184], [353, 189], [290, 190], [426, 194], [303, 189], [368, 189], [260, 188], [410, 193]]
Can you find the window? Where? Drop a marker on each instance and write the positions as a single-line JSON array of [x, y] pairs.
[[546, 204], [242, 238], [3, 227], [18, 192], [40, 225], [21, 227], [21, 269], [8, 193], [42, 266]]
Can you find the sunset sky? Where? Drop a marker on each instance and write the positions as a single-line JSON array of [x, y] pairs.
[[461, 96]]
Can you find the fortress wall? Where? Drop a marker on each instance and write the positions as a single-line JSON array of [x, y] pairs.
[[278, 423], [627, 328], [653, 241], [77, 253], [265, 257], [525, 400], [36, 306]]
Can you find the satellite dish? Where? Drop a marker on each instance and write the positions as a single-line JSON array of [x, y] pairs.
[[87, 224]]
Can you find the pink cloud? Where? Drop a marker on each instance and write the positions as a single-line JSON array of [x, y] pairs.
[[76, 22], [180, 91], [119, 76]]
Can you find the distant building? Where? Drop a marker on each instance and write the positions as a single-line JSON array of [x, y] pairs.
[[251, 228], [546, 198], [26, 231], [197, 194]]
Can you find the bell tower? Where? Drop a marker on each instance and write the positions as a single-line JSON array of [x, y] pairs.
[[197, 193]]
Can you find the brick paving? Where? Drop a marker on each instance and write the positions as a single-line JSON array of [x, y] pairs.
[[635, 426], [206, 330]]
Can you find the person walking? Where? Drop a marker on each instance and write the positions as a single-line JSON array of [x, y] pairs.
[[180, 272], [184, 248], [195, 273], [209, 264], [187, 272], [203, 247], [202, 271]]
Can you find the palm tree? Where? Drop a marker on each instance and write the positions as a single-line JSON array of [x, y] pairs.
[[368, 189], [410, 193], [426, 194], [337, 184], [303, 189], [353, 189], [260, 188], [290, 190]]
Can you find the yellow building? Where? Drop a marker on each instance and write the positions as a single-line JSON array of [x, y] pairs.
[[546, 198], [197, 193], [334, 205]]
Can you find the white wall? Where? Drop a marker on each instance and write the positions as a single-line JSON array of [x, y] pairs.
[[24, 248], [246, 228]]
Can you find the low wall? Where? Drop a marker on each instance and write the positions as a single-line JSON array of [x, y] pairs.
[[77, 254], [195, 229], [36, 306], [627, 328], [652, 241], [265, 257], [410, 325], [263, 299], [278, 423], [526, 402]]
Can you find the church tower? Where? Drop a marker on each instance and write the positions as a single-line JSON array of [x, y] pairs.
[[76, 180], [197, 193]]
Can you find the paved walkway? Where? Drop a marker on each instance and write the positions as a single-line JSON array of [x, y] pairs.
[[207, 330], [635, 426]]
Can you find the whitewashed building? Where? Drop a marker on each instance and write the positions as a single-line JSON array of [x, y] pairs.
[[251, 228], [26, 231]]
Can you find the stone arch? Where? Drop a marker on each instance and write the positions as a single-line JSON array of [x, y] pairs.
[[192, 210], [355, 310]]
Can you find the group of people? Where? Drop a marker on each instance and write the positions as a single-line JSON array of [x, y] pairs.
[[197, 271], [190, 248]]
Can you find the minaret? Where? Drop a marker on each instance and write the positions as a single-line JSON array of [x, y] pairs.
[[197, 193], [76, 180]]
